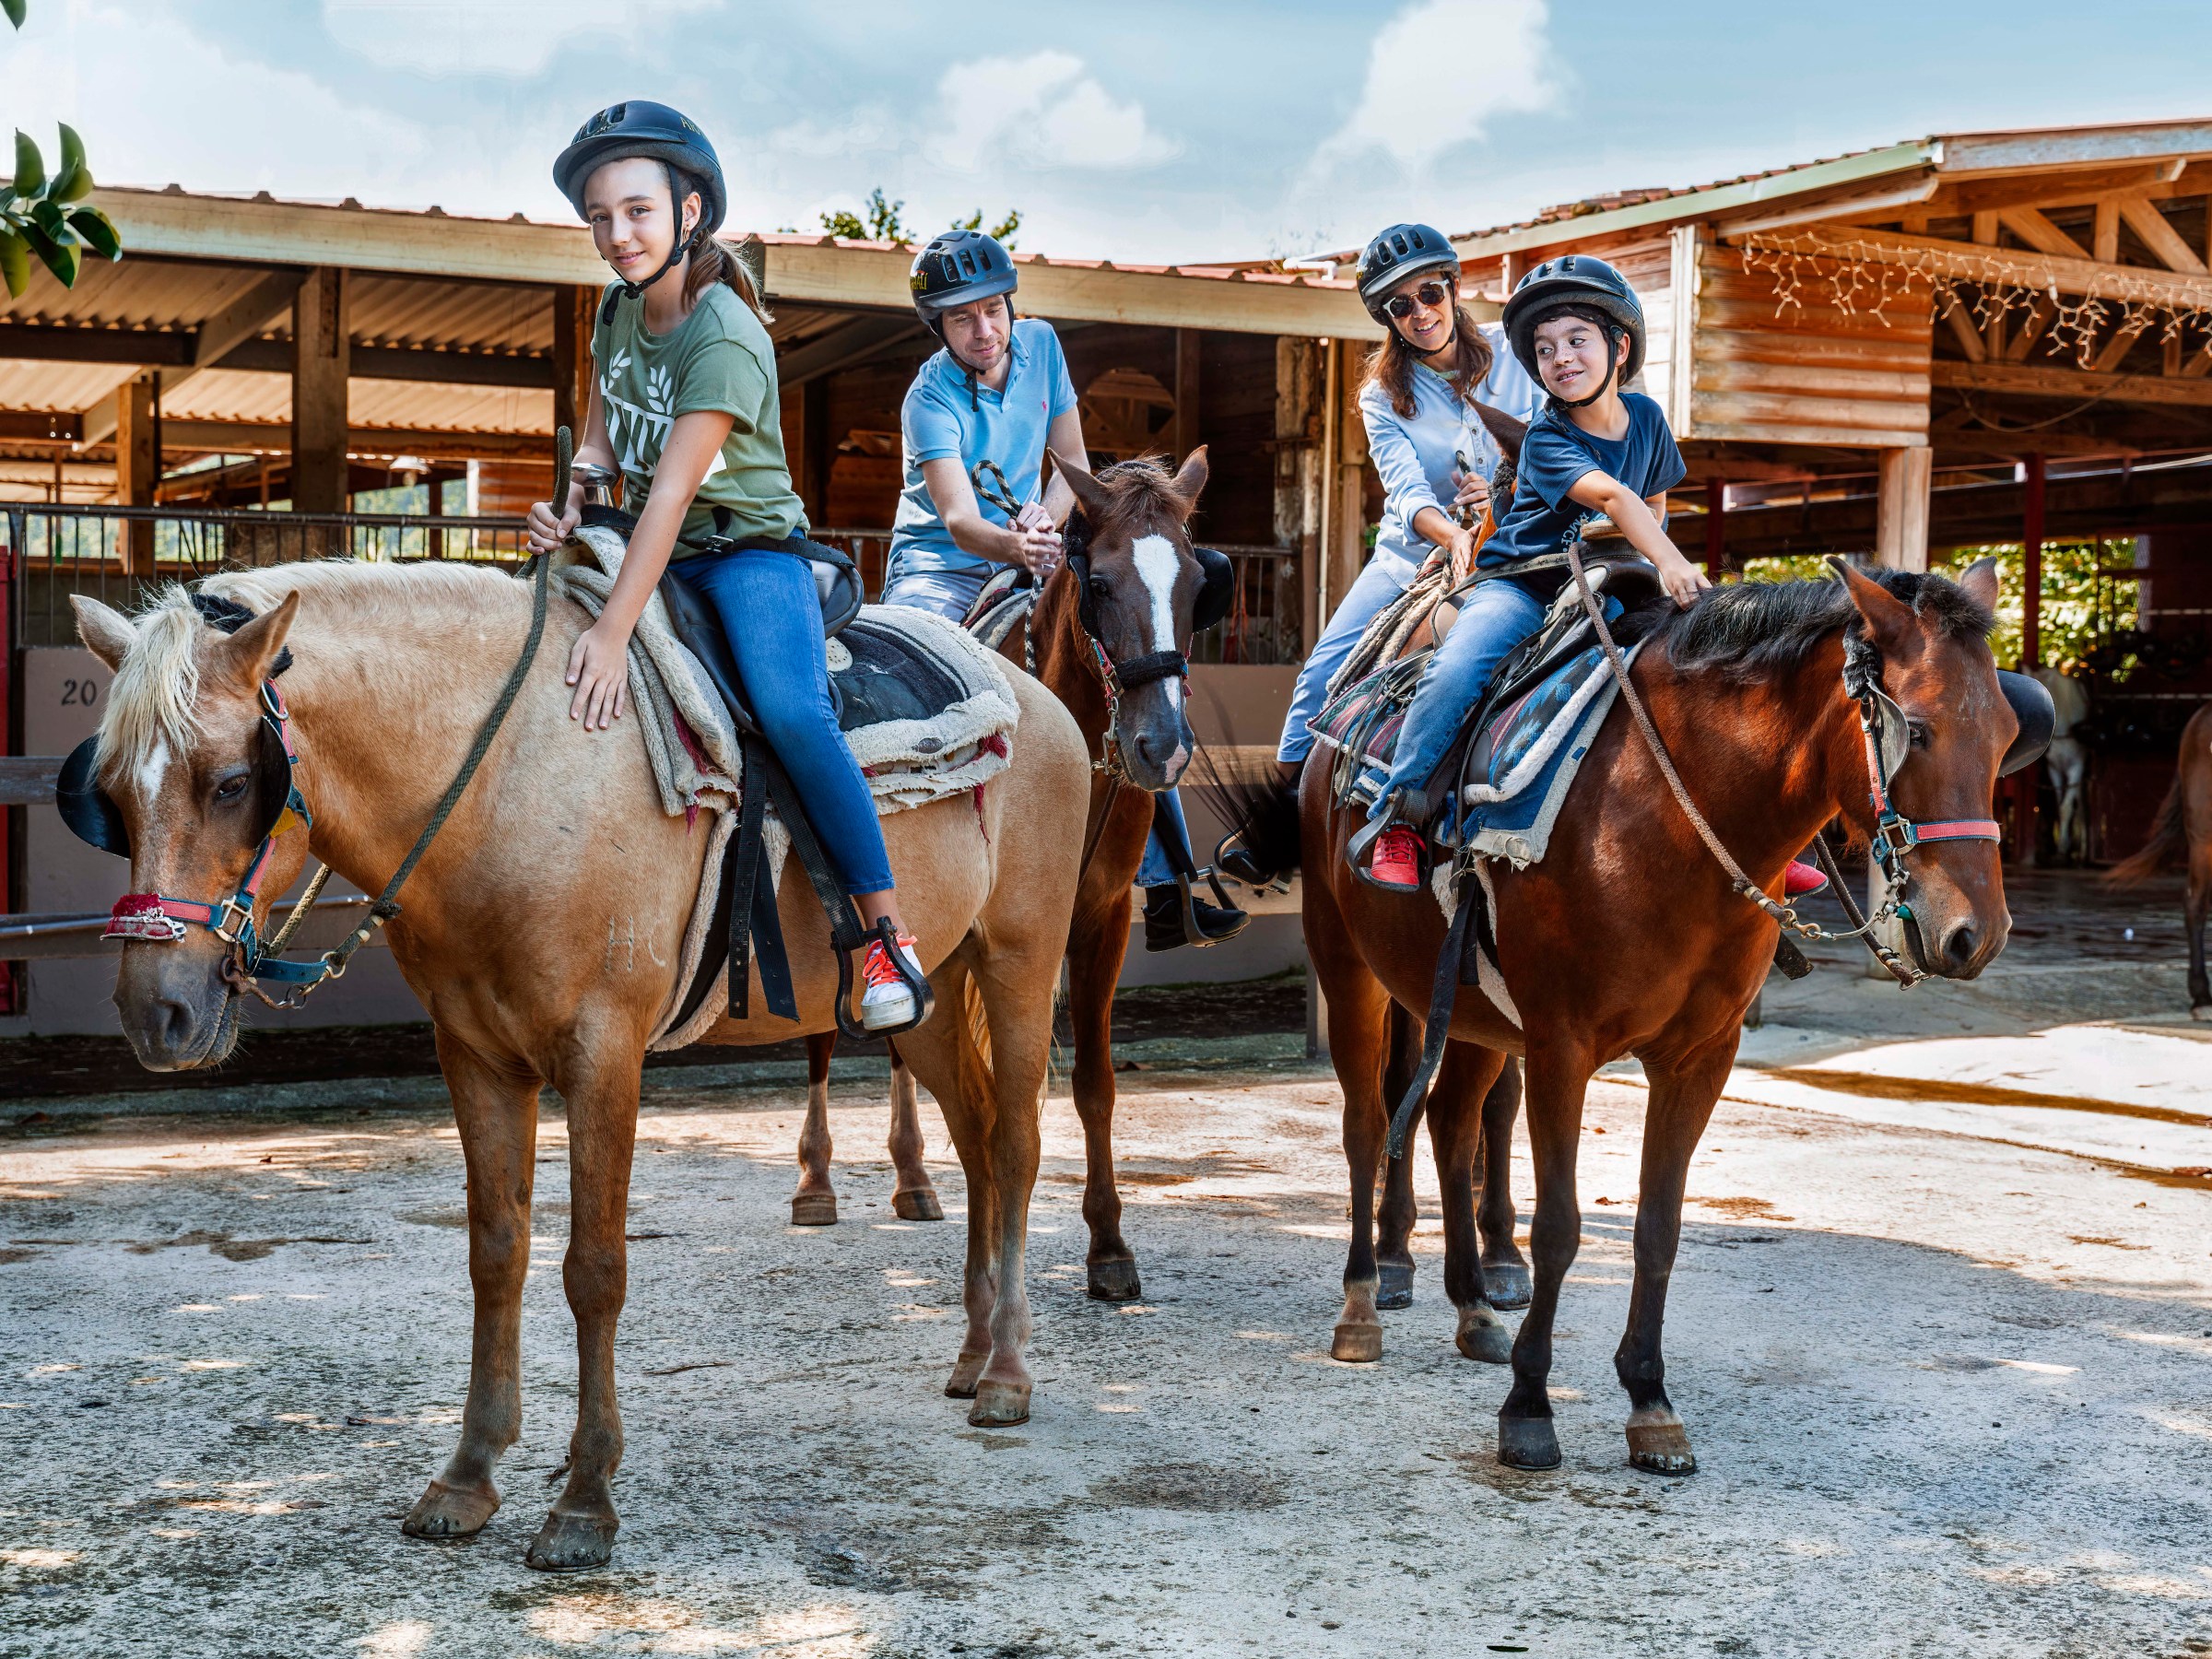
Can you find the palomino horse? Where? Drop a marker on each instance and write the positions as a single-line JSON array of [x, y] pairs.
[[1628, 938], [543, 930], [1143, 582], [2184, 829]]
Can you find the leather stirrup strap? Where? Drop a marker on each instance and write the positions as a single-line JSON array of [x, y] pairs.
[[1443, 992]]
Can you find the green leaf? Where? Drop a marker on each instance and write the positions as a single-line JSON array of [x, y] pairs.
[[48, 215], [97, 230], [73, 179], [14, 10], [30, 171], [60, 257], [73, 148], [14, 263]]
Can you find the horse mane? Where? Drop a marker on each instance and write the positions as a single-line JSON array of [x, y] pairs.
[[1760, 631], [156, 695], [1142, 485]]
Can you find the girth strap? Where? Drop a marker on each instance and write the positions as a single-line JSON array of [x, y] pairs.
[[1443, 993]]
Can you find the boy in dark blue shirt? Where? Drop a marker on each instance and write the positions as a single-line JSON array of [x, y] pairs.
[[1577, 326]]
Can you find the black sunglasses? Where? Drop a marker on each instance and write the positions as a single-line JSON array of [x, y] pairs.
[[1430, 294]]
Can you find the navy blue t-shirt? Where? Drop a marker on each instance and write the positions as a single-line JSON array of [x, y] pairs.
[[1555, 456]]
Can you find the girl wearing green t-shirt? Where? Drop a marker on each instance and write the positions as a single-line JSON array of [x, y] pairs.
[[683, 402]]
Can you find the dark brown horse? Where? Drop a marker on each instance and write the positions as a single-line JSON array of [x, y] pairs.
[[2184, 829], [1628, 938], [1144, 581]]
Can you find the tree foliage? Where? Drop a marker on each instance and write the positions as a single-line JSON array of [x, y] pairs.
[[879, 220], [47, 213]]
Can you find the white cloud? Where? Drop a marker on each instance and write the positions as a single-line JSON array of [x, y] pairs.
[[515, 39], [1038, 110], [1438, 72]]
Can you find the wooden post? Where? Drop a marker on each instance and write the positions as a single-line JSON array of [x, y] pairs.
[[322, 358], [1901, 534], [1295, 465], [1332, 583], [1184, 430], [1716, 503], [818, 450], [137, 466], [434, 537], [572, 319], [2032, 563]]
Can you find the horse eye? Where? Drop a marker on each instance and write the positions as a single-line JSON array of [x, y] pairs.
[[1919, 730], [1101, 587], [230, 789]]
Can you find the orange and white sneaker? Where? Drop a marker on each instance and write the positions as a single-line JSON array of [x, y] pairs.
[[1397, 862], [886, 1001]]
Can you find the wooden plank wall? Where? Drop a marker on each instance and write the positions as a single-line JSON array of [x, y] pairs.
[[1648, 267], [1813, 373]]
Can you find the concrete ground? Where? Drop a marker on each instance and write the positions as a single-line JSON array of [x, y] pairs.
[[1941, 1333]]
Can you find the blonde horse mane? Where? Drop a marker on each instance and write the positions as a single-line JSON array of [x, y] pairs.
[[155, 696]]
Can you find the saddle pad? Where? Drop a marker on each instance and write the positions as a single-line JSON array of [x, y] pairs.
[[926, 706], [1524, 761]]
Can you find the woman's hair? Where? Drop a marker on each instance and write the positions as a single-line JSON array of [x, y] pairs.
[[1390, 365], [710, 261]]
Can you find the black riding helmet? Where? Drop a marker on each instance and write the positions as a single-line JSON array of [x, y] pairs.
[[1399, 253], [1576, 280], [958, 268], [640, 127]]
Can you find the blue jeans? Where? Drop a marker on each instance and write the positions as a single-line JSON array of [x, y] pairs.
[[1385, 579], [1156, 871], [1493, 619], [769, 609], [947, 592]]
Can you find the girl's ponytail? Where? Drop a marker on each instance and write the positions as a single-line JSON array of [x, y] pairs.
[[711, 262]]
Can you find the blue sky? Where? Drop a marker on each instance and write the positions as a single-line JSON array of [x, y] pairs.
[[1144, 130]]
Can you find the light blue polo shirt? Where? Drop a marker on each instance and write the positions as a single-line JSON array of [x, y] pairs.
[[1007, 427]]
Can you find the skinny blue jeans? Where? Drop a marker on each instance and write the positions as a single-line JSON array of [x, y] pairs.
[[949, 593], [1385, 579], [1493, 619], [769, 610]]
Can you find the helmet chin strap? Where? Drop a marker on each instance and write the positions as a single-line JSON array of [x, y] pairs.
[[1612, 368], [631, 290]]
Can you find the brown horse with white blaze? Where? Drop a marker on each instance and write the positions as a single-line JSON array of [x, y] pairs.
[[1628, 938], [1138, 580], [558, 845]]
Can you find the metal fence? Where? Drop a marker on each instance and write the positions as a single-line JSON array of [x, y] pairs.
[[1266, 623], [118, 555]]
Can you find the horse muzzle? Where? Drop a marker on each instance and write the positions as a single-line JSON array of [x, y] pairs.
[[177, 1010]]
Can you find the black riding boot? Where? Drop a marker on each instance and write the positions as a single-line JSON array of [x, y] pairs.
[[1164, 928]]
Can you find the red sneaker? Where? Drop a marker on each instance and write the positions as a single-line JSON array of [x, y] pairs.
[[1396, 861], [1801, 880]]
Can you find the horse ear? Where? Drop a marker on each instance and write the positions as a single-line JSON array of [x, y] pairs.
[[1502, 426], [1093, 499], [106, 633], [1978, 581], [248, 654], [1190, 478], [1888, 618]]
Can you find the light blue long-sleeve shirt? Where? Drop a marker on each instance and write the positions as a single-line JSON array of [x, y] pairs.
[[1416, 457]]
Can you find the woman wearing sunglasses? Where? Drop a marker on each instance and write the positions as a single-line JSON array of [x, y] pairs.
[[1417, 403]]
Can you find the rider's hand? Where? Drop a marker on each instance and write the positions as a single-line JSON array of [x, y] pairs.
[[1033, 517], [1682, 581], [548, 532], [1474, 495], [599, 669], [1037, 550], [1462, 553]]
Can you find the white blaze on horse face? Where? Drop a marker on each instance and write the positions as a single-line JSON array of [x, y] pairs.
[[149, 772], [1159, 564]]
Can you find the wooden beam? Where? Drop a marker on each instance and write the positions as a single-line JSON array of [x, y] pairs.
[[2110, 354], [2038, 232], [1962, 329], [1901, 538], [2023, 381], [2199, 365], [1979, 263], [2040, 315], [275, 437], [2164, 241], [573, 319], [2046, 190], [1985, 228], [321, 349], [137, 466], [1184, 436], [2106, 234]]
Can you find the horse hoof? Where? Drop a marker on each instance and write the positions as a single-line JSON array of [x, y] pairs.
[[814, 1210], [1506, 1283], [960, 1385], [571, 1544], [448, 1512], [1486, 1340], [1356, 1344], [916, 1203], [1395, 1288], [1527, 1443], [999, 1405], [1115, 1281], [1662, 1447]]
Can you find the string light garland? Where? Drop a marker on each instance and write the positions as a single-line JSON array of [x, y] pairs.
[[1871, 276]]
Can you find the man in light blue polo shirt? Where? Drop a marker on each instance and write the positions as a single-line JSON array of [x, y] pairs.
[[999, 391]]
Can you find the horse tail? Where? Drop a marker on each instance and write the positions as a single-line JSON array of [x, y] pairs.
[[972, 1073], [2169, 838], [1263, 815]]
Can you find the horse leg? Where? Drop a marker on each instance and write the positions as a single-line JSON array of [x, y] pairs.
[[1398, 1210], [1682, 1097], [915, 1198], [1359, 1029], [496, 1112], [1504, 1271], [1094, 947], [2193, 915], [1455, 1129], [1556, 1076], [815, 1204], [601, 1088], [1011, 1061]]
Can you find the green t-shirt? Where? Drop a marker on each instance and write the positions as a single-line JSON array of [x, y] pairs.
[[718, 357]]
